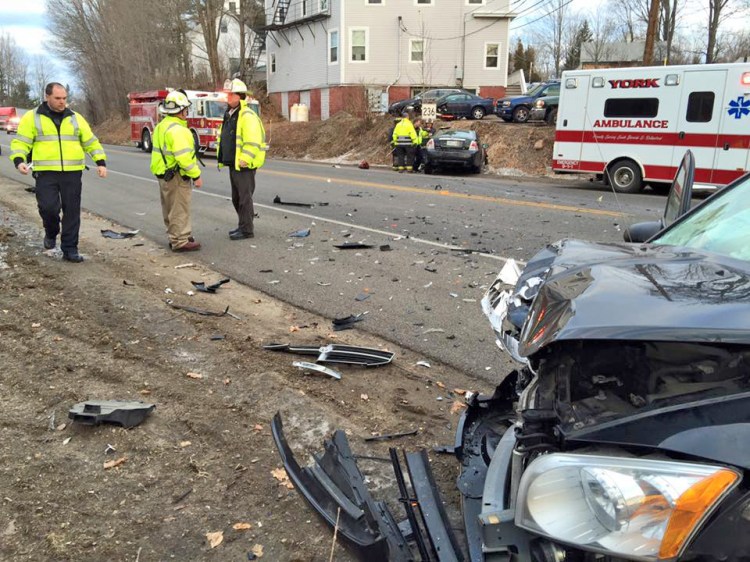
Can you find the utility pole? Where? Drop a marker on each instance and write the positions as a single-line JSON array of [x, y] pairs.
[[653, 26]]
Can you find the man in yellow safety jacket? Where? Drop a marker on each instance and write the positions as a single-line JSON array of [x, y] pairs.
[[175, 165], [242, 147], [405, 142], [56, 140]]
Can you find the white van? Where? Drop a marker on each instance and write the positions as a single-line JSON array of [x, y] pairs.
[[632, 126]]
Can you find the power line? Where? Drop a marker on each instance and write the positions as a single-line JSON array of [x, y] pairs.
[[542, 17]]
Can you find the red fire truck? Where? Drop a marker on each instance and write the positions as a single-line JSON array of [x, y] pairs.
[[204, 117]]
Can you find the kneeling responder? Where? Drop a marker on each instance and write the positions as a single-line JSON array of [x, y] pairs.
[[405, 142], [174, 163]]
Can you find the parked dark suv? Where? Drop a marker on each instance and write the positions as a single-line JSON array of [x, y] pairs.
[[518, 108]]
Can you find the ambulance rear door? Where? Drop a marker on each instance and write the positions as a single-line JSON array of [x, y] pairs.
[[572, 121], [698, 120], [733, 153]]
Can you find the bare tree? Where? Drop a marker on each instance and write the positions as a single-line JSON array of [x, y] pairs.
[[42, 72], [116, 47], [602, 29], [669, 15], [209, 15], [551, 33], [632, 16], [12, 69], [720, 11]]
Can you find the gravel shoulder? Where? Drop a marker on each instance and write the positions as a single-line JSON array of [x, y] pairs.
[[204, 460]]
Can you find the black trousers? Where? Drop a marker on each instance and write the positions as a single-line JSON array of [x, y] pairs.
[[403, 157], [243, 188], [57, 191]]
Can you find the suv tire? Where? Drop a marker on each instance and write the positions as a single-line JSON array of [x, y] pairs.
[[521, 114]]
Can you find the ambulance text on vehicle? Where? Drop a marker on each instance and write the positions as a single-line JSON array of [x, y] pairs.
[[632, 126], [204, 116]]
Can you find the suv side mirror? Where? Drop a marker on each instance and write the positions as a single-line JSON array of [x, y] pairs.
[[678, 203]]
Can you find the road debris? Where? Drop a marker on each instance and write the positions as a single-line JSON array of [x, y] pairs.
[[118, 235], [362, 297], [303, 233], [304, 365], [196, 376], [203, 288], [424, 364], [348, 322], [242, 526], [389, 436], [353, 246], [200, 311], [385, 248], [184, 265], [127, 413], [277, 201], [338, 353]]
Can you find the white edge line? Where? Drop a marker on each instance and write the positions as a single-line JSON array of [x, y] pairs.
[[333, 221]]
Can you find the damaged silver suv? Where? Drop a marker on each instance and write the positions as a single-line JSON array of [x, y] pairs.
[[622, 435]]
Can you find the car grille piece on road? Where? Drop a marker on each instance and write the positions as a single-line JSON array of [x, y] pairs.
[[337, 353]]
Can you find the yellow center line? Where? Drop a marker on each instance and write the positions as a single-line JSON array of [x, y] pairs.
[[447, 193]]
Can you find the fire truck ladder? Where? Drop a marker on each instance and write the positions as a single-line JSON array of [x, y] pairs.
[[259, 39]]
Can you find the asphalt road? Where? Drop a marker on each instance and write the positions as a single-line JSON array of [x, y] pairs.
[[424, 293]]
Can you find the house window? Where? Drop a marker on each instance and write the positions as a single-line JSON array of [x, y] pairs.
[[424, 2], [637, 108], [380, 2], [333, 46], [416, 50], [475, 2], [304, 8], [273, 63], [233, 7], [223, 28], [700, 107], [491, 55], [359, 45]]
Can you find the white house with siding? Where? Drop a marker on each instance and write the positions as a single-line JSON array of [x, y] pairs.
[[335, 55]]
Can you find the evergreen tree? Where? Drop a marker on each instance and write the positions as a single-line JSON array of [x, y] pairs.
[[519, 57], [573, 52]]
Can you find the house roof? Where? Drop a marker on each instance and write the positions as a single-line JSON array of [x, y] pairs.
[[619, 51]]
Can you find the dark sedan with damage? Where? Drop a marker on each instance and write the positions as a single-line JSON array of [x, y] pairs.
[[454, 147], [623, 433]]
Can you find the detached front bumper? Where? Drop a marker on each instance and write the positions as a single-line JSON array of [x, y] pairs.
[[335, 488]]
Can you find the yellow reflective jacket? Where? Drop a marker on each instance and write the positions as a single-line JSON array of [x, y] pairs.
[[404, 134], [251, 139], [174, 143], [52, 149]]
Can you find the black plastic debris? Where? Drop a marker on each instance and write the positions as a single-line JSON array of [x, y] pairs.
[[200, 311], [266, 271], [389, 436], [128, 283], [218, 337], [118, 235], [353, 246], [277, 201], [385, 248], [431, 269], [127, 413], [347, 323], [203, 288], [303, 233], [338, 353]]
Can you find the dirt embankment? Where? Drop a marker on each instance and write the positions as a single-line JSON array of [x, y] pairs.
[[514, 149]]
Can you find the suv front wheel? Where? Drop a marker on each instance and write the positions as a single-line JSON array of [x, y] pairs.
[[521, 114]]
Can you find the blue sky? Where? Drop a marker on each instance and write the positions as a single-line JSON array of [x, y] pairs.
[[26, 22]]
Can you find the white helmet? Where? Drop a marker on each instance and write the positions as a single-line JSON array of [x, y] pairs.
[[175, 102], [235, 86]]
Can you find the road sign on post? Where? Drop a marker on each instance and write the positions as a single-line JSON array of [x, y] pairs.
[[429, 112]]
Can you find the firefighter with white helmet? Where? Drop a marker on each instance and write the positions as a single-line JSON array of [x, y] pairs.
[[242, 147], [175, 165]]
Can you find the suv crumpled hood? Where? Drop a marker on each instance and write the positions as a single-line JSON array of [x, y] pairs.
[[636, 292]]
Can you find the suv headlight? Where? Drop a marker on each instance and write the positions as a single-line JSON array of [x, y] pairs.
[[640, 508], [506, 104]]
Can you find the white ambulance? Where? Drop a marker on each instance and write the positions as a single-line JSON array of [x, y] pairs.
[[632, 126]]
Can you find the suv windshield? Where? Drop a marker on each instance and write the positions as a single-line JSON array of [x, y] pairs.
[[721, 225], [535, 90]]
